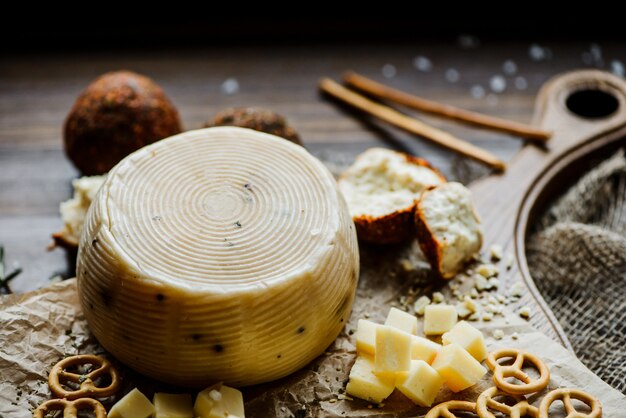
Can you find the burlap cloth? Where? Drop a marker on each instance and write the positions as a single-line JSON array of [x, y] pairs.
[[577, 257]]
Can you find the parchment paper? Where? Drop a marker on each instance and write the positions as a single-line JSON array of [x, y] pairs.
[[39, 328]]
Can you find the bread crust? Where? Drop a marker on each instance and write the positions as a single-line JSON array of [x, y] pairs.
[[428, 242], [395, 227]]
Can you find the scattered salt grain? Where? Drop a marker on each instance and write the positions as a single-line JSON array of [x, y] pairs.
[[617, 68], [509, 67], [452, 75], [498, 334], [230, 86], [520, 83], [389, 71], [477, 92], [497, 83], [422, 63]]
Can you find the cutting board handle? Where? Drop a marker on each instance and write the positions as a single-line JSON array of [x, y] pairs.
[[579, 106]]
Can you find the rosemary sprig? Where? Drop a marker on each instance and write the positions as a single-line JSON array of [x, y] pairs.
[[4, 280]]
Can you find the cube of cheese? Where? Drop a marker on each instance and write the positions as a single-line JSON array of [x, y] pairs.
[[364, 384], [457, 367], [366, 336], [133, 405], [469, 338], [219, 401], [439, 319], [420, 384], [404, 321], [423, 349], [393, 351], [169, 405]]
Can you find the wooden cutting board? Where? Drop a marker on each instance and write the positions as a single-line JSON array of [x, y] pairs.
[[586, 110]]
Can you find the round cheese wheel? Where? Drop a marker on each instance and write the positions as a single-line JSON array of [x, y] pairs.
[[222, 254]]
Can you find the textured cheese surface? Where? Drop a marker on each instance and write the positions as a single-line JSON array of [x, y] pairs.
[[381, 182], [364, 384], [133, 405], [468, 337], [457, 367], [222, 254], [421, 384], [439, 319]]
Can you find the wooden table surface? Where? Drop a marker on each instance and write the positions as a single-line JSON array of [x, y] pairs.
[[37, 91]]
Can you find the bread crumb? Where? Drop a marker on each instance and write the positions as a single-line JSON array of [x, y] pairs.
[[438, 297], [420, 304], [498, 334], [496, 252], [524, 312]]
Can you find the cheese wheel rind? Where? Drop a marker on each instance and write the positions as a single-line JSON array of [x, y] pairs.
[[222, 254]]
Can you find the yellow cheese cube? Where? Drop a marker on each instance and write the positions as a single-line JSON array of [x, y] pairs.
[[404, 321], [133, 405], [364, 384], [469, 338], [366, 336], [439, 319], [219, 401], [457, 367], [423, 349], [420, 384], [169, 405], [393, 350]]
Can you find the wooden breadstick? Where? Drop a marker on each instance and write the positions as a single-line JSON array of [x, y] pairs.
[[439, 109], [409, 124]]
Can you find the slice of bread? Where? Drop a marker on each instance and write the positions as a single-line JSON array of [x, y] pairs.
[[73, 211], [382, 188], [448, 228]]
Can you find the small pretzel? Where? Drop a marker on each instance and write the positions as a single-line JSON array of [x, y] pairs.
[[70, 408], [521, 409], [444, 409], [86, 381], [501, 372], [566, 396]]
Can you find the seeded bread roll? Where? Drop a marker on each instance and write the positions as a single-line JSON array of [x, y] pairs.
[[381, 189], [448, 228]]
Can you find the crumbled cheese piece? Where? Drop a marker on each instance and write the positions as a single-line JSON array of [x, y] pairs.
[[456, 293], [462, 310], [454, 286], [493, 283], [500, 298], [469, 303], [406, 265], [524, 312], [438, 297], [333, 400], [492, 300], [517, 290], [343, 397], [515, 335], [498, 310], [509, 261], [420, 304], [480, 283], [487, 316], [496, 252], [487, 270], [474, 317], [473, 293], [498, 334]]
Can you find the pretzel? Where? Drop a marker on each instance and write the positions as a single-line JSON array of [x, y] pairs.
[[443, 409], [86, 381], [521, 409], [70, 408], [501, 372], [566, 396]]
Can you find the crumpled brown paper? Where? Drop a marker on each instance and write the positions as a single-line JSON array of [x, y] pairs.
[[39, 328]]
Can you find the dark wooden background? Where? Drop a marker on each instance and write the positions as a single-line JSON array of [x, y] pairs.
[[38, 87]]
